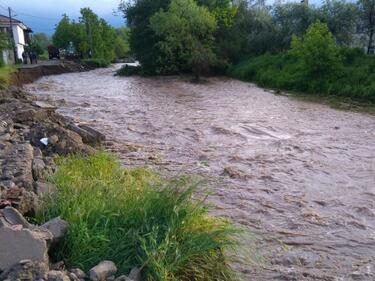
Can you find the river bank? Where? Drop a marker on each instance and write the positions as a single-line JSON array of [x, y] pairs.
[[25, 74], [32, 137], [299, 174]]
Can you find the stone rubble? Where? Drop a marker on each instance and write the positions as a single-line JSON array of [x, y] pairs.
[[24, 161]]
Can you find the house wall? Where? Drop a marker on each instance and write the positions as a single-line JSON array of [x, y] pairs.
[[8, 57], [19, 38]]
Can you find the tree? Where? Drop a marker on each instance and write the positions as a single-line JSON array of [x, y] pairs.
[[143, 39], [293, 19], [91, 35], [63, 33], [187, 36], [341, 18], [317, 52], [40, 43], [367, 13], [122, 48]]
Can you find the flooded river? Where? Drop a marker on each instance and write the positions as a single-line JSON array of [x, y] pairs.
[[300, 176]]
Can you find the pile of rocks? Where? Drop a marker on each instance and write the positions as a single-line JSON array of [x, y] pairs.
[[25, 247], [24, 122], [31, 135]]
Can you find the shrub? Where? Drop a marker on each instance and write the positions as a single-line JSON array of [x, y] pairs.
[[95, 63], [131, 218], [129, 70], [314, 65], [317, 52]]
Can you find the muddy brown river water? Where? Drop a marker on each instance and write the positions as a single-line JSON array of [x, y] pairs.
[[300, 176]]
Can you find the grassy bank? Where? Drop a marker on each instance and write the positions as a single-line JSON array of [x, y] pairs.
[[131, 218], [352, 84], [5, 75]]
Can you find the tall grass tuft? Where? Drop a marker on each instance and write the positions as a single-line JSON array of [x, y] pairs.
[[131, 218]]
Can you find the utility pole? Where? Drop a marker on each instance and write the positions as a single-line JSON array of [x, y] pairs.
[[12, 35]]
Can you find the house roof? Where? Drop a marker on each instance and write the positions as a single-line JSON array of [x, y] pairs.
[[4, 21]]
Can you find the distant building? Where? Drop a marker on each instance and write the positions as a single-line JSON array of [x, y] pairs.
[[21, 35]]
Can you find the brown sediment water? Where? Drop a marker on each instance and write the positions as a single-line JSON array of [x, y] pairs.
[[299, 175]]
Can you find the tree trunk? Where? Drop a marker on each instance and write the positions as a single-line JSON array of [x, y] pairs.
[[371, 36], [371, 25]]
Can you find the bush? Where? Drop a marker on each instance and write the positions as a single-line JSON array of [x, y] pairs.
[[95, 63], [131, 218], [314, 65], [317, 52], [129, 70]]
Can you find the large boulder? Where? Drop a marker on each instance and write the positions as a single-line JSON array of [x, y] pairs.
[[22, 240]]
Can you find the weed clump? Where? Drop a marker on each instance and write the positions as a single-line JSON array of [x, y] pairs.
[[133, 219]]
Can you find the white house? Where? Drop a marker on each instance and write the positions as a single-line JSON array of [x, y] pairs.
[[21, 35]]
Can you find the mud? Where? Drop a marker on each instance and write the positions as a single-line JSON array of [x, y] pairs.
[[300, 176]]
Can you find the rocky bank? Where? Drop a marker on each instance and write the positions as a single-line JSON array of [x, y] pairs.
[[32, 134]]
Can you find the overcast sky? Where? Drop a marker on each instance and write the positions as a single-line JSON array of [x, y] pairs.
[[42, 15]]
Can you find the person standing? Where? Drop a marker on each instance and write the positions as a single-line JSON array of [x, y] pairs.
[[31, 57], [24, 57], [35, 57]]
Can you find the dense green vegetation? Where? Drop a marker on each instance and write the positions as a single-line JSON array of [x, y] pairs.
[[92, 37], [178, 35], [5, 76], [315, 65], [131, 218], [186, 31], [272, 45], [5, 71]]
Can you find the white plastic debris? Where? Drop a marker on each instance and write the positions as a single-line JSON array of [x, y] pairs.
[[44, 141]]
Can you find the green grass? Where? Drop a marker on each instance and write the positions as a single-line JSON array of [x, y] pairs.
[[131, 218], [352, 86], [5, 75]]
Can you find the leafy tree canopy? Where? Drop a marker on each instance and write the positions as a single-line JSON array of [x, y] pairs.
[[186, 31]]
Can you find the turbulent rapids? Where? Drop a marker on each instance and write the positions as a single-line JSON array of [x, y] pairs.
[[300, 176]]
